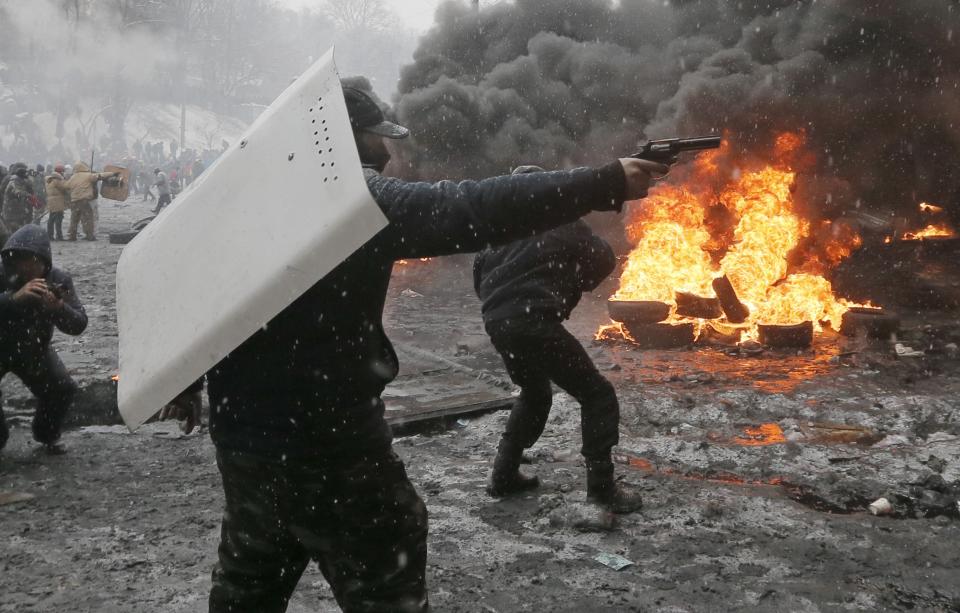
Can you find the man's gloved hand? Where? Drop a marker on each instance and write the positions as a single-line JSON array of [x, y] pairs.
[[640, 174], [185, 408]]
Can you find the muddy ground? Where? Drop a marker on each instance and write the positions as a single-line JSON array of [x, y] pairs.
[[129, 522]]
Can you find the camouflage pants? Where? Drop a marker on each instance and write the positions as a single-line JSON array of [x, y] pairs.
[[361, 521], [47, 378], [81, 213]]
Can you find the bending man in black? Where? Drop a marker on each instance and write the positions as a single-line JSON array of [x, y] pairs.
[[302, 445], [35, 297], [528, 288]]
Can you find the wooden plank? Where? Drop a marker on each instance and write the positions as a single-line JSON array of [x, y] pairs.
[[434, 388]]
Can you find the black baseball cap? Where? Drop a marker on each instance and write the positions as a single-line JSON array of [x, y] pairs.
[[366, 115]]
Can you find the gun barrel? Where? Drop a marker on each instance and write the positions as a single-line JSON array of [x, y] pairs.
[[698, 143]]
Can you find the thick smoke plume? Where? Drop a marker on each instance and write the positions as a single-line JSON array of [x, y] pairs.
[[873, 85]]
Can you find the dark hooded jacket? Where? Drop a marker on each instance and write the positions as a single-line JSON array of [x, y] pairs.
[[27, 328], [9, 177], [309, 382], [542, 277]]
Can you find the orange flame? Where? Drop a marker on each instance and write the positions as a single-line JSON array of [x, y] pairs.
[[764, 434], [931, 231], [678, 250]]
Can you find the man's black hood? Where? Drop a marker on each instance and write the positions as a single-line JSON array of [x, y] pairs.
[[29, 239]]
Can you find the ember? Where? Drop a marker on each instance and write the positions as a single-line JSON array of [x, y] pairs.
[[679, 252]]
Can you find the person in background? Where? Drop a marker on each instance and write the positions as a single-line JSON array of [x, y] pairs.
[[528, 288], [39, 187], [198, 168], [35, 298], [83, 191], [163, 189], [58, 201], [19, 200]]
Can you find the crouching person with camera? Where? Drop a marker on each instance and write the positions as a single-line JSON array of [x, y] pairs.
[[35, 297]]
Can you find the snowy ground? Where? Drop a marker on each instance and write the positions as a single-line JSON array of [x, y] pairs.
[[129, 522]]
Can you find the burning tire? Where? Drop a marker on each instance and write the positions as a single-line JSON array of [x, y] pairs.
[[638, 311], [777, 336], [698, 307], [875, 323], [661, 336]]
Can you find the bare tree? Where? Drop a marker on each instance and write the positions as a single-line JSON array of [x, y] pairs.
[[359, 15]]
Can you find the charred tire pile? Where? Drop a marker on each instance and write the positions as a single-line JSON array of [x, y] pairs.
[[661, 336], [787, 336], [698, 307], [638, 311], [874, 323]]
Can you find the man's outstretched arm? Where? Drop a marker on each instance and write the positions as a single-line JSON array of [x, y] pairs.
[[443, 218]]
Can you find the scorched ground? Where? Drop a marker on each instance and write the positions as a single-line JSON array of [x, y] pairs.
[[757, 472]]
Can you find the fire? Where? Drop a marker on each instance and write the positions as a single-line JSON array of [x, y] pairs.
[[926, 207], [679, 247], [407, 262], [764, 434], [931, 231], [613, 331]]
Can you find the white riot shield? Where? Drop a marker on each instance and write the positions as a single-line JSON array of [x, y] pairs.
[[277, 212]]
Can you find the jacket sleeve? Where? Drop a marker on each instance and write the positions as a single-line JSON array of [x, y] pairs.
[[7, 305], [72, 319], [443, 218], [478, 270]]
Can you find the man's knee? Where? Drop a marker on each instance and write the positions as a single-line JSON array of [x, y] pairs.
[[537, 397]]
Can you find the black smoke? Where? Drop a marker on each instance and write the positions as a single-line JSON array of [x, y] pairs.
[[873, 84]]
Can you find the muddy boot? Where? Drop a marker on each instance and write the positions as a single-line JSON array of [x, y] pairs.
[[506, 478], [604, 491]]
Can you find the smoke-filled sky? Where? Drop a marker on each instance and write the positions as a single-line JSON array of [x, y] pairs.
[[873, 84]]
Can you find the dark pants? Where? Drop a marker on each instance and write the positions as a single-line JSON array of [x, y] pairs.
[[55, 226], [162, 201], [48, 380], [361, 521], [538, 352]]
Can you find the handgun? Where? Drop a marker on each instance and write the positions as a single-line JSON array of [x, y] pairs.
[[667, 150]]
